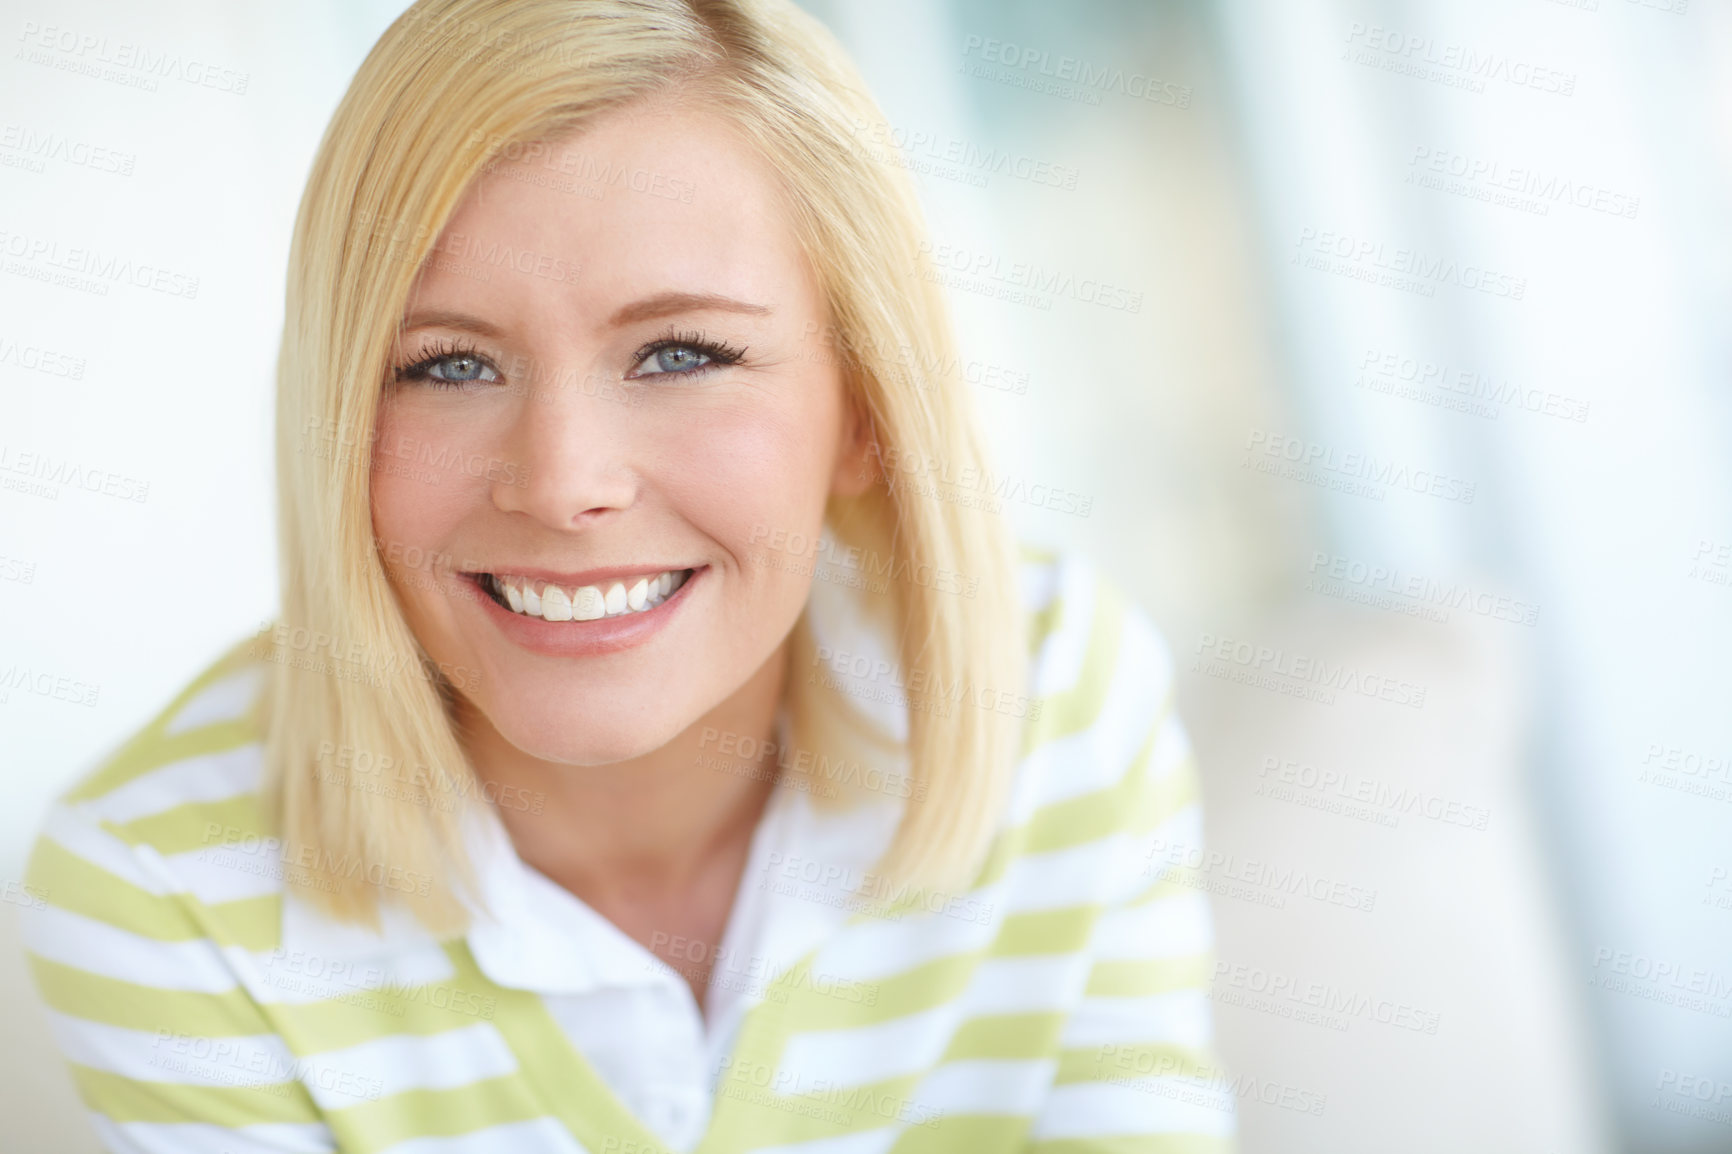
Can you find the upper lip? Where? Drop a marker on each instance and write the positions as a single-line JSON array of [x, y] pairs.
[[585, 576]]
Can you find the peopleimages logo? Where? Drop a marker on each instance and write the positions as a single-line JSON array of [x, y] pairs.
[[1316, 678], [847, 886], [107, 58], [1232, 876], [926, 690], [1183, 1080], [1332, 1006], [45, 684], [1494, 175], [1668, 980], [247, 1063], [1362, 798], [42, 474], [1077, 77], [1408, 269], [1436, 381], [867, 562], [39, 146], [368, 984], [1360, 474], [1385, 585], [88, 269], [41, 360], [1459, 65], [747, 751], [936, 153]]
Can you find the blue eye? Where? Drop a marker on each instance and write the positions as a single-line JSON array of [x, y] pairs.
[[677, 358], [683, 355], [462, 367], [447, 367]]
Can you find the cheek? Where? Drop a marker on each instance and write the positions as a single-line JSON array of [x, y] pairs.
[[399, 498], [417, 497], [402, 518], [751, 473]]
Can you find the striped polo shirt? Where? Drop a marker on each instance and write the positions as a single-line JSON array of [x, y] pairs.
[[1058, 1005]]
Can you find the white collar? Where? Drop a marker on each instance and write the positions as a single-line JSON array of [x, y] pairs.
[[542, 937]]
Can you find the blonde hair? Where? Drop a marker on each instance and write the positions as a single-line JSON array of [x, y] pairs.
[[449, 88]]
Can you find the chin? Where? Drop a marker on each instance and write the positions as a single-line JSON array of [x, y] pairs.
[[607, 736]]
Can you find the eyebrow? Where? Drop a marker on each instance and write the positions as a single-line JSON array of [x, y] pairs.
[[463, 322], [667, 304], [648, 309]]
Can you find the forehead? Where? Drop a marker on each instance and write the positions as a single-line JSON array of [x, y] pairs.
[[649, 198]]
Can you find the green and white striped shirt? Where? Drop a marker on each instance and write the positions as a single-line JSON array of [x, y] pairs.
[[1058, 1006]]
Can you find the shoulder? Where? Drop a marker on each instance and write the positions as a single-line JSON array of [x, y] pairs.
[[210, 714], [1104, 756], [1085, 633], [153, 825], [154, 931]]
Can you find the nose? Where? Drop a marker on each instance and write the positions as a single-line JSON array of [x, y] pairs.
[[571, 445]]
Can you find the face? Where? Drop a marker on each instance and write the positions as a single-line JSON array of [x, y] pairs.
[[603, 398]]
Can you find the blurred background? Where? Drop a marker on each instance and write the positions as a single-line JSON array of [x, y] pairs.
[[1383, 352]]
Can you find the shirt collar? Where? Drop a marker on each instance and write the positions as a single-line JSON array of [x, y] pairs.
[[534, 934], [793, 891]]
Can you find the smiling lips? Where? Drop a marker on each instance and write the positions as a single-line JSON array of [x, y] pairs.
[[534, 598]]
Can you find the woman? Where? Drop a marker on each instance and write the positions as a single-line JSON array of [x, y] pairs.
[[647, 756]]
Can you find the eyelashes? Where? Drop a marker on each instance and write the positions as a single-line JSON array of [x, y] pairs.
[[435, 365], [439, 353], [715, 353]]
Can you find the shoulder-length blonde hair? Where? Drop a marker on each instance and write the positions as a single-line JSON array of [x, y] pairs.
[[451, 87]]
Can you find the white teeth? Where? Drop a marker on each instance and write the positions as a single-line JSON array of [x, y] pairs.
[[588, 605], [555, 605], [587, 602]]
